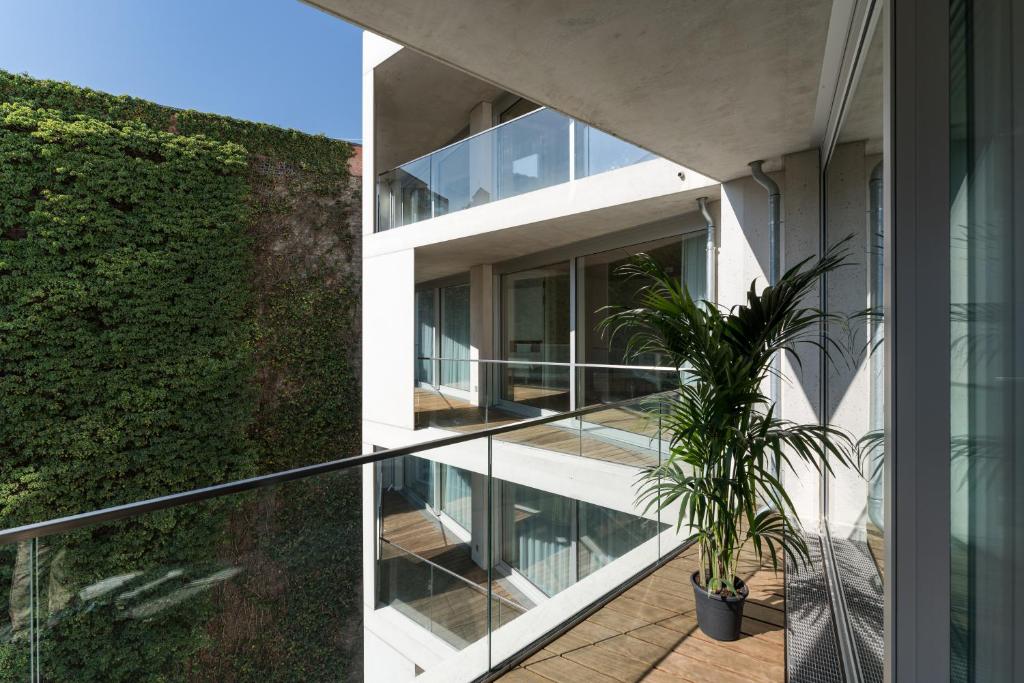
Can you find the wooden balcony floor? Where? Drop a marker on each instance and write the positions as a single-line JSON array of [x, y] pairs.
[[446, 412], [650, 633]]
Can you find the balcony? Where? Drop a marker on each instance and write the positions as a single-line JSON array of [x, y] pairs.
[[536, 150]]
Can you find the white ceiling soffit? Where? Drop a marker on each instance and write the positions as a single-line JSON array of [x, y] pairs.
[[710, 84]]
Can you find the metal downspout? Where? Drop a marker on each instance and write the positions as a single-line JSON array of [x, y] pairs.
[[711, 268], [774, 261]]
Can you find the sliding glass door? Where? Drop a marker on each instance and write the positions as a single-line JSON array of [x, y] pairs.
[[604, 288], [535, 331], [442, 332], [426, 333]]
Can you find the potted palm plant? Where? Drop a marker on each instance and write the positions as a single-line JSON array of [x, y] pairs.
[[725, 436]]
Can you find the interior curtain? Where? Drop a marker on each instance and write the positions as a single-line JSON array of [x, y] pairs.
[[538, 542], [425, 336], [457, 495], [455, 337]]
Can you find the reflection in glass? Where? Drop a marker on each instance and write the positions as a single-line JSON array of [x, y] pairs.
[[536, 536], [606, 535], [535, 327], [555, 541], [603, 285], [403, 195], [987, 344], [597, 151], [526, 154], [533, 152], [418, 479], [854, 387], [208, 591]]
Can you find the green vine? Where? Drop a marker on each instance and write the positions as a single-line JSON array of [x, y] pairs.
[[179, 298]]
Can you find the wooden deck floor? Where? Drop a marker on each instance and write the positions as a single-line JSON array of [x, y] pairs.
[[650, 633], [420, 532], [446, 412]]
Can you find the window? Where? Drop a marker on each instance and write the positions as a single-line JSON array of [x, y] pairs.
[[535, 327]]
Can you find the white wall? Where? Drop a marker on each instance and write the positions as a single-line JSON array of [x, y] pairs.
[[388, 338], [381, 662], [801, 394]]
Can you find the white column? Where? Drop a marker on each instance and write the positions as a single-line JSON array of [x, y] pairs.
[[481, 331], [481, 157], [801, 393]]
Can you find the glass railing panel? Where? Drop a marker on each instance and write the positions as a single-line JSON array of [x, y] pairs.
[[432, 549], [530, 388], [597, 152], [404, 195], [462, 175], [18, 622], [567, 533], [532, 153], [267, 581], [627, 434]]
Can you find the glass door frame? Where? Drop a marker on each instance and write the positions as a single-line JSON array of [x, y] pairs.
[[436, 286], [683, 227]]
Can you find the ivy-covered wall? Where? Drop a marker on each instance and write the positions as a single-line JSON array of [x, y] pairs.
[[179, 300]]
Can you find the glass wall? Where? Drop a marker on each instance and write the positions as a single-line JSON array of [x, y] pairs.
[[555, 541], [457, 495], [987, 346], [602, 285], [442, 331], [854, 390], [418, 479], [535, 327], [426, 331]]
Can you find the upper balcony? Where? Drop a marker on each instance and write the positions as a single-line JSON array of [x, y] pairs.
[[537, 150]]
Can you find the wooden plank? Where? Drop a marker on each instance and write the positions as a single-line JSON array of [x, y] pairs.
[[567, 671]]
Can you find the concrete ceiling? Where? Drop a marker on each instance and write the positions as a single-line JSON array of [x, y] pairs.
[[708, 84], [412, 114]]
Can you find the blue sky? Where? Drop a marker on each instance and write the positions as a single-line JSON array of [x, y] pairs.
[[277, 61]]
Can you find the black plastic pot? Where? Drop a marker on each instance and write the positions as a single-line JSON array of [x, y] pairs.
[[719, 617]]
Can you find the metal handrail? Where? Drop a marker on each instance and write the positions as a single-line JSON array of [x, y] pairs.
[[480, 589], [72, 522], [654, 368]]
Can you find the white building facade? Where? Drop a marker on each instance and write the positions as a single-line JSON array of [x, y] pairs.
[[493, 233]]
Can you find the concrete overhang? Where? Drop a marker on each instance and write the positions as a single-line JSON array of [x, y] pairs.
[[711, 85], [546, 219], [420, 105]]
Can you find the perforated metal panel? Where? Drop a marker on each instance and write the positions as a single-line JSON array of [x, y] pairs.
[[862, 588], [812, 651]]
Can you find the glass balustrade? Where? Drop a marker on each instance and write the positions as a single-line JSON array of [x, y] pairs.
[[537, 150], [505, 392], [482, 540], [266, 581]]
